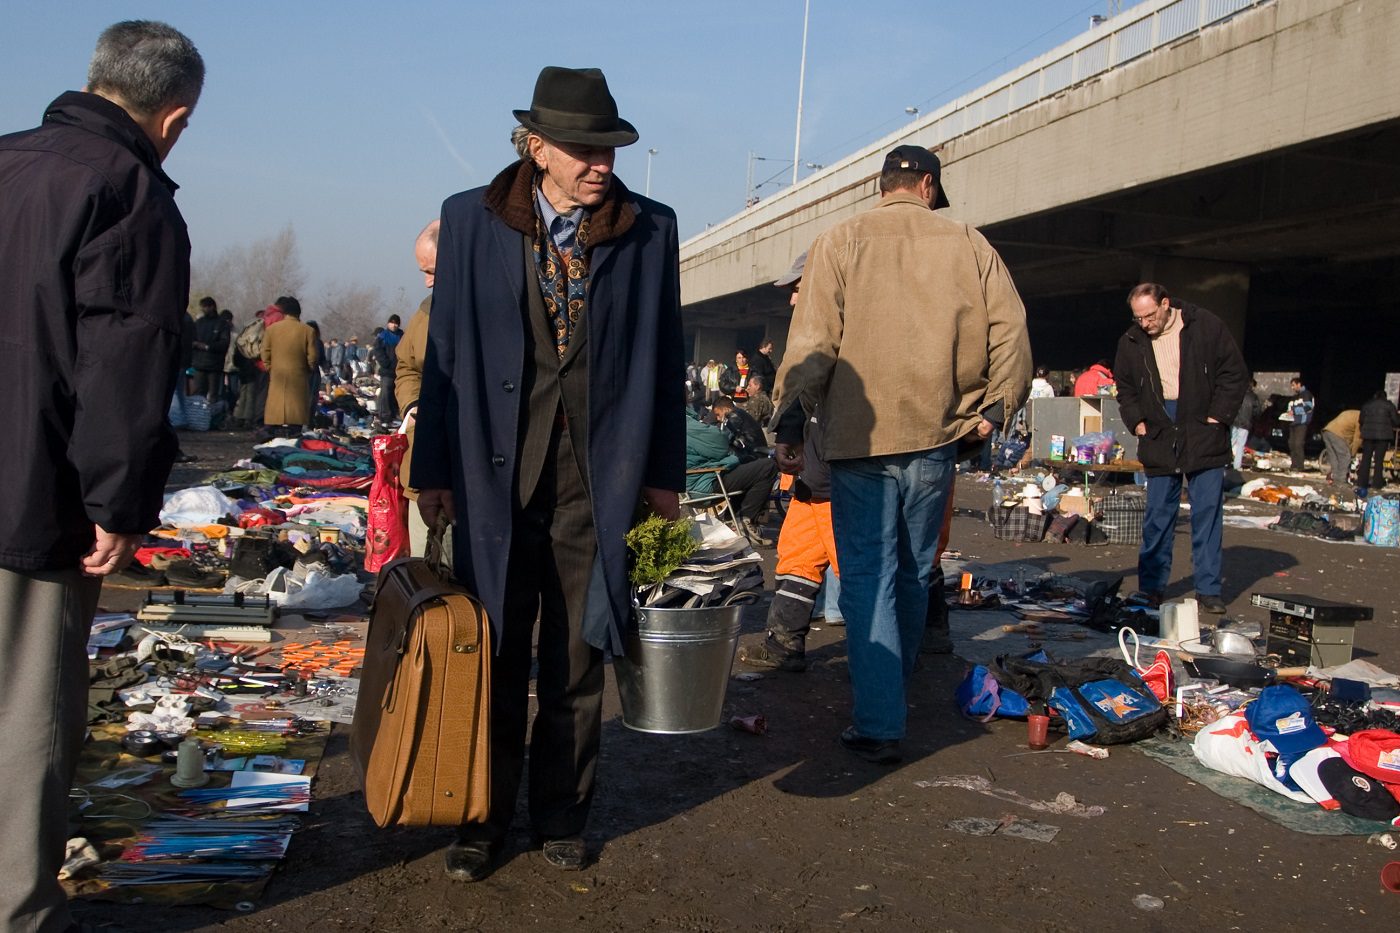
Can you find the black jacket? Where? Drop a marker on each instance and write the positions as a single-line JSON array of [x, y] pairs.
[[96, 279], [794, 426], [1379, 420], [212, 331], [1211, 384], [746, 436]]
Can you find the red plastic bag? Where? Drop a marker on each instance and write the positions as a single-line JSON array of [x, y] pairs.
[[386, 537], [1159, 677]]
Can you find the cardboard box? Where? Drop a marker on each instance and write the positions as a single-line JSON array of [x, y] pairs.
[[1075, 502]]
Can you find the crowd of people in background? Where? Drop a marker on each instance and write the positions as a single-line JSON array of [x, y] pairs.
[[267, 374]]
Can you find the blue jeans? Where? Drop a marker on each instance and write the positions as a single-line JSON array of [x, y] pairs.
[[887, 513], [1205, 489], [831, 593]]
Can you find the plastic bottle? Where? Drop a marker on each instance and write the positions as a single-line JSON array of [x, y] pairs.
[[996, 491]]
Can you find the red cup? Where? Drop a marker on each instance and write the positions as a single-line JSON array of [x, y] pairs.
[[1390, 877], [1037, 728]]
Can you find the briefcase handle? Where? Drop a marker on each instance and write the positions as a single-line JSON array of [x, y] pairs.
[[434, 554]]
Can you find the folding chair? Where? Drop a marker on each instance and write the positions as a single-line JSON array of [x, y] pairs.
[[717, 503]]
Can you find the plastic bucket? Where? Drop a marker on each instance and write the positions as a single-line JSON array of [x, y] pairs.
[[673, 677]]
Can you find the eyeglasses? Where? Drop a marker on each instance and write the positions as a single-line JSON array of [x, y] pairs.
[[1144, 318]]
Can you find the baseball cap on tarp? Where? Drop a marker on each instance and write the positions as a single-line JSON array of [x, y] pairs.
[[1326, 777], [919, 159], [1375, 752], [1283, 718]]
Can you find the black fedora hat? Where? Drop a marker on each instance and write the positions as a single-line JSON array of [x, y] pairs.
[[574, 105]]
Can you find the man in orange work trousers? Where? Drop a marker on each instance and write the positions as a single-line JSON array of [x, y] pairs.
[[807, 545]]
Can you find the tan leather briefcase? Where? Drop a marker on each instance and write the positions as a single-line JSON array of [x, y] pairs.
[[421, 731]]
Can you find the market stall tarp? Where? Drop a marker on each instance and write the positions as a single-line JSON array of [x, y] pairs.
[[1299, 817]]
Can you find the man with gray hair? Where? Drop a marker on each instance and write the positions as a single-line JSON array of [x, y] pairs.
[[552, 407], [94, 280]]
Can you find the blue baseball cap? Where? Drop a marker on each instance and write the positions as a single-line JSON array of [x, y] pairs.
[[1282, 717]]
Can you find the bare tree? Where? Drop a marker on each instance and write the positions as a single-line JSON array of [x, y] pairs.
[[348, 310], [246, 278]]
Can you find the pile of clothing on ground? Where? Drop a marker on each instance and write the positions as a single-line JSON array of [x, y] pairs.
[[291, 518]]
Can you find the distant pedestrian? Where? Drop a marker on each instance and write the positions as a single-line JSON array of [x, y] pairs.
[[1095, 381], [1040, 384], [1341, 440], [211, 339], [385, 355], [1378, 423], [1250, 409], [289, 353], [761, 363], [94, 283], [1300, 415], [1180, 382]]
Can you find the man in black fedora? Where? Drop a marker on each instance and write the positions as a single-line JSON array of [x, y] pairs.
[[552, 410]]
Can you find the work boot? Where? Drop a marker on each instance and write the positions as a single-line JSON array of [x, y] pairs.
[[768, 655]]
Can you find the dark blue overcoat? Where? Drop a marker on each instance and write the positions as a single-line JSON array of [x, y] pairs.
[[469, 414]]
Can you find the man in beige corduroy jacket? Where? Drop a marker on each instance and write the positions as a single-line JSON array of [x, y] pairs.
[[911, 337]]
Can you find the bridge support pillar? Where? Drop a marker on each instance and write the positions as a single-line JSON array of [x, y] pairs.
[[1221, 287]]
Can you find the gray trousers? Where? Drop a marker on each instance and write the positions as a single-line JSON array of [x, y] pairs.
[[44, 623], [1337, 454]]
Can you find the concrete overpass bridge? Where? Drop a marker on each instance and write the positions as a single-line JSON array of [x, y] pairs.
[[1245, 153]]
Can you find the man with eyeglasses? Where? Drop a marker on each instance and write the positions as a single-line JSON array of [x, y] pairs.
[[1181, 379]]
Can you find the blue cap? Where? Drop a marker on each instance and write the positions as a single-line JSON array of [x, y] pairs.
[[1283, 718]]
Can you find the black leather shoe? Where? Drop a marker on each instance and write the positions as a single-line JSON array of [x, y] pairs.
[[1212, 604], [876, 751], [566, 854], [469, 861]]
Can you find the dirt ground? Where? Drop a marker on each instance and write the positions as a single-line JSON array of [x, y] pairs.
[[787, 831]]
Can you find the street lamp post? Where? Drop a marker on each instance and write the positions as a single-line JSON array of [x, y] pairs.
[[801, 79], [650, 153]]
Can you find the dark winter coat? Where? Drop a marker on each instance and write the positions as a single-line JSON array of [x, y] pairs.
[[470, 414], [97, 264], [1212, 384], [1250, 410], [746, 437], [1379, 420], [212, 331]]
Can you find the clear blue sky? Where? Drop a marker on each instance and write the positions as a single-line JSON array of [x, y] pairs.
[[353, 120]]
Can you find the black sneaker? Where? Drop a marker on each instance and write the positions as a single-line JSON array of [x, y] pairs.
[[875, 751], [768, 657]]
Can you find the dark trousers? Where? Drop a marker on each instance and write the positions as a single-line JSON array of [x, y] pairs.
[[1297, 434], [208, 383], [1372, 463], [1206, 490], [751, 483], [551, 561], [386, 407]]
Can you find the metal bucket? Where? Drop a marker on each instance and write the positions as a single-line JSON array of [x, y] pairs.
[[674, 675]]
